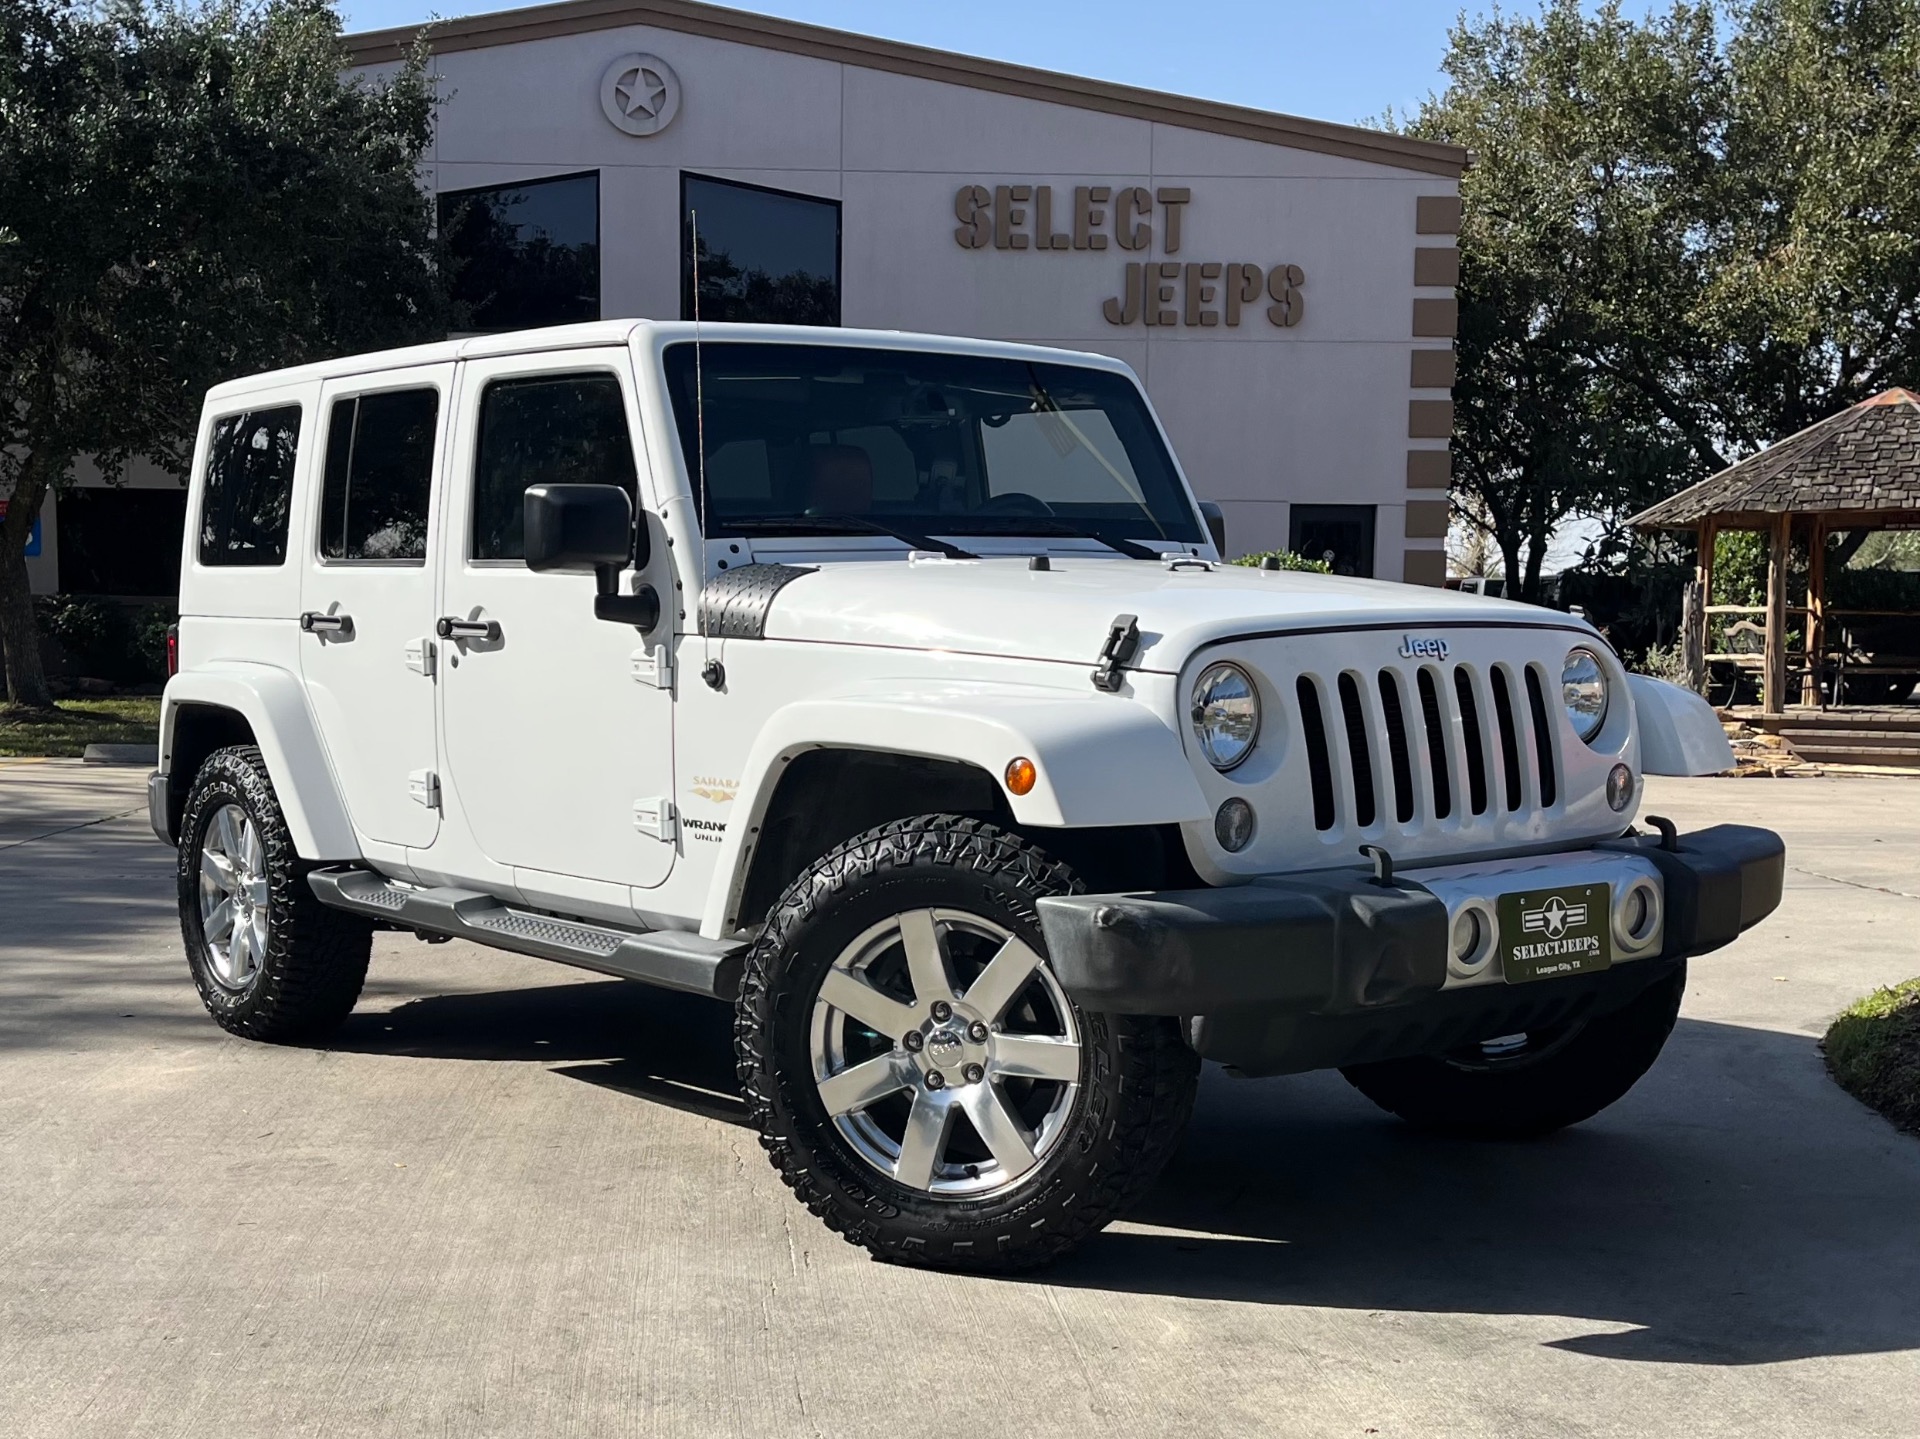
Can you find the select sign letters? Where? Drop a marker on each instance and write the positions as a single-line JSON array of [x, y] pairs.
[[1200, 294]]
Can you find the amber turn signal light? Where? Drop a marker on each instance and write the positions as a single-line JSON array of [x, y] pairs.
[[1021, 775]]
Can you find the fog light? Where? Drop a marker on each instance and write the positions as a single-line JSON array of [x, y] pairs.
[[1233, 825], [1636, 916], [1619, 787]]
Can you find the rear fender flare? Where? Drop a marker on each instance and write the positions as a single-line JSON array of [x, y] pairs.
[[274, 705]]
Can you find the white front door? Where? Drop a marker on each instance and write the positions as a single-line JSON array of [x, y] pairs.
[[367, 597], [560, 760]]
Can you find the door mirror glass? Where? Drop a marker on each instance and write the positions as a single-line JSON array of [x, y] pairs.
[[577, 527]]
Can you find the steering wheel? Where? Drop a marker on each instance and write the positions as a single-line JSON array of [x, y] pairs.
[[1015, 502]]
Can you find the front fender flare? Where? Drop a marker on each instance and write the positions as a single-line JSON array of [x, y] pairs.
[[1101, 760], [1679, 732], [274, 705]]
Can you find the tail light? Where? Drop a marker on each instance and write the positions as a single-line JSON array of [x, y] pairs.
[[173, 650]]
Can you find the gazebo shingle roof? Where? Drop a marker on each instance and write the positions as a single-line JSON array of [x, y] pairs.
[[1864, 459]]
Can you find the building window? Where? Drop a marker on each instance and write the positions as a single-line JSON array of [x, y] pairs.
[[246, 500], [373, 502], [1342, 535], [525, 254], [121, 542], [765, 256], [544, 430]]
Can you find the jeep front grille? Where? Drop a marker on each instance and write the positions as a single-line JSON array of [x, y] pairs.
[[1381, 758]]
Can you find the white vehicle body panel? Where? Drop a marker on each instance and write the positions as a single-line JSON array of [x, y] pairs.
[[1679, 732]]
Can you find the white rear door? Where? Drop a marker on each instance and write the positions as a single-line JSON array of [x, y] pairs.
[[367, 596]]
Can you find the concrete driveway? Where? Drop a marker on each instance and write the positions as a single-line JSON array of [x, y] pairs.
[[509, 1199]]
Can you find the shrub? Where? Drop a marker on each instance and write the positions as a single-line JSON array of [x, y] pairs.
[[1287, 560], [1873, 1050], [109, 640]]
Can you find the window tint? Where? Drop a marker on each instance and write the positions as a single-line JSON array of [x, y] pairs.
[[766, 256], [549, 430], [249, 487], [1342, 535], [525, 254], [373, 504]]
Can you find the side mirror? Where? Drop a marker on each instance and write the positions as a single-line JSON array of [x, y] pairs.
[[590, 527], [1216, 519]]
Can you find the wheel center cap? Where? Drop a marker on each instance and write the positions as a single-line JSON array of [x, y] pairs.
[[944, 1047]]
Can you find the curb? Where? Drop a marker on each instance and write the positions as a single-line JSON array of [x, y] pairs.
[[122, 754]]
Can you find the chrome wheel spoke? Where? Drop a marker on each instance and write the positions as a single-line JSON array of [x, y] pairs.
[[256, 890], [926, 958], [239, 947], [998, 1127], [252, 857], [852, 995], [218, 870], [1034, 1056], [864, 1084], [1002, 980], [223, 828], [925, 1139], [218, 923]]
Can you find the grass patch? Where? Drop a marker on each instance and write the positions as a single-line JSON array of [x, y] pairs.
[[72, 725], [1873, 1049]]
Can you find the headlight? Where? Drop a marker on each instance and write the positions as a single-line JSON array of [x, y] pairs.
[[1226, 715], [1583, 690]]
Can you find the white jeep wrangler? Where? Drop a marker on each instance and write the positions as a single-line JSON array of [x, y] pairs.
[[893, 689]]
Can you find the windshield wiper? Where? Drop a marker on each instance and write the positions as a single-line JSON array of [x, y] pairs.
[[833, 524], [1034, 525]]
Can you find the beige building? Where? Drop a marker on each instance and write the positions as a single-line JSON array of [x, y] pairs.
[[1283, 286]]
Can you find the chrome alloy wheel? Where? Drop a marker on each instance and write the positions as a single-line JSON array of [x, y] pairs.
[[946, 1053], [233, 897]]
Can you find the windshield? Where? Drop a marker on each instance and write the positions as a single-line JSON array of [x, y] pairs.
[[797, 435]]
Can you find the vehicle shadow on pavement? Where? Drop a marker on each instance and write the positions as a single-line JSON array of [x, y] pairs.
[[1736, 1208], [668, 1048]]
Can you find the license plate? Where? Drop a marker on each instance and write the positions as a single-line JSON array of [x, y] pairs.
[[1552, 933]]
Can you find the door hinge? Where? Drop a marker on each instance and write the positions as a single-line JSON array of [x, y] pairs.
[[655, 816], [423, 785], [654, 667], [420, 656]]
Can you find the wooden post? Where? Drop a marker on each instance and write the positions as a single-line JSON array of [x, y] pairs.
[[1816, 608], [1773, 690], [1693, 623], [1698, 640]]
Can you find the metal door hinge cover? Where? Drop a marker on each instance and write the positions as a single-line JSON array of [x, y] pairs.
[[1123, 638], [420, 656], [423, 785], [653, 667], [655, 816]]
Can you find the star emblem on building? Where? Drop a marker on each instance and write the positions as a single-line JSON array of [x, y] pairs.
[[640, 94]]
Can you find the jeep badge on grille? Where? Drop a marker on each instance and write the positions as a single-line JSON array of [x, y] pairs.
[[1413, 649]]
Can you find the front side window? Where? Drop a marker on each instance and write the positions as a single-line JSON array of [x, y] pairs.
[[544, 430], [525, 254], [818, 438], [248, 494], [764, 256], [373, 501]]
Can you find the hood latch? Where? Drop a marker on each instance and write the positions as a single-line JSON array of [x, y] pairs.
[[1123, 638]]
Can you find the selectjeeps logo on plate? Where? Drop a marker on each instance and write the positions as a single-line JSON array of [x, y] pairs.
[[1413, 649], [1553, 918]]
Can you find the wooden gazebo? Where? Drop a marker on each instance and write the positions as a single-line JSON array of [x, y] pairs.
[[1858, 470]]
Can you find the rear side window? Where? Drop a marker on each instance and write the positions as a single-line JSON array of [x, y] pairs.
[[373, 502], [248, 494], [544, 430]]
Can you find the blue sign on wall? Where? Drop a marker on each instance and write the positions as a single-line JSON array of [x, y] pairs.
[[33, 535]]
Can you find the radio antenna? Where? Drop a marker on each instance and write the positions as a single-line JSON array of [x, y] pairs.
[[700, 423]]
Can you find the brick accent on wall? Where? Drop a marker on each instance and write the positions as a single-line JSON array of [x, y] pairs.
[[1429, 469], [1433, 370], [1439, 319], [1435, 265], [1437, 215], [1426, 567], [1427, 519], [1429, 419]]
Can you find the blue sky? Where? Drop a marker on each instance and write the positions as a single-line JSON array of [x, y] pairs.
[[1345, 60]]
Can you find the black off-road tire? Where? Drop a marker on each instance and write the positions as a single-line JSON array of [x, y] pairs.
[[315, 959], [1573, 1078], [1127, 1118]]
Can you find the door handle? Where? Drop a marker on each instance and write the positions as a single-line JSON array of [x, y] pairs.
[[449, 628], [315, 623]]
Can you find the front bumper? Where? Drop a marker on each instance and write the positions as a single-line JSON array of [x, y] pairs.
[[1300, 972]]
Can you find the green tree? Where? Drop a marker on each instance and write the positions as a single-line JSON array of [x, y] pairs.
[[1684, 238], [187, 193]]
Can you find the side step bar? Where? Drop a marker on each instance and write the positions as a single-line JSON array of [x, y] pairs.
[[669, 958]]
